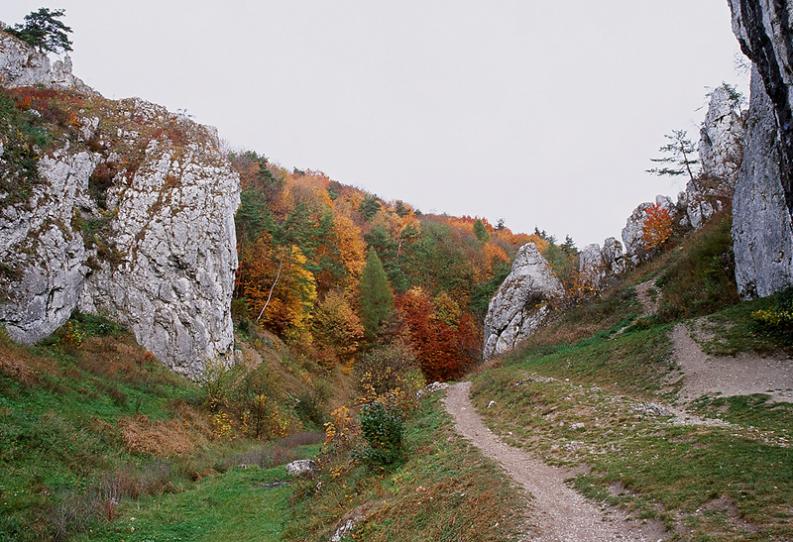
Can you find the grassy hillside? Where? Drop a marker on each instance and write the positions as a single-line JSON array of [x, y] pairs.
[[581, 392], [100, 442], [89, 421]]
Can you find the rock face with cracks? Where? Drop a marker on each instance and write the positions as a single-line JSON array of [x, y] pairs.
[[763, 201], [598, 266], [762, 230], [721, 137], [23, 66], [521, 302], [130, 215]]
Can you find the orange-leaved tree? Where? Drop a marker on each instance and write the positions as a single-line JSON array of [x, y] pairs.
[[657, 227], [445, 339]]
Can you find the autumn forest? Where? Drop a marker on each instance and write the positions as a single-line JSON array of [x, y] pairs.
[[336, 271]]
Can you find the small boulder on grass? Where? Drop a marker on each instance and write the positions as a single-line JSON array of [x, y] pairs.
[[301, 467]]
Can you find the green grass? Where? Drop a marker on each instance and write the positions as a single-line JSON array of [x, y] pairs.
[[705, 483], [443, 491], [600, 316], [750, 410], [699, 277], [243, 504], [62, 429], [57, 435], [634, 361]]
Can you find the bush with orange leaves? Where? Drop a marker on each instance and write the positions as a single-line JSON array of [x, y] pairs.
[[446, 339], [657, 227]]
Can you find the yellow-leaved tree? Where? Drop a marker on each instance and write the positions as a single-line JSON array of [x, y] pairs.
[[337, 327], [280, 290]]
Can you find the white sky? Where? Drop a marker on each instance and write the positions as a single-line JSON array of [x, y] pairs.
[[539, 112]]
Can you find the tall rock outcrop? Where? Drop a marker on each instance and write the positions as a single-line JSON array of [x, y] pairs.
[[128, 213], [721, 136], [763, 201], [521, 303], [720, 155], [761, 225]]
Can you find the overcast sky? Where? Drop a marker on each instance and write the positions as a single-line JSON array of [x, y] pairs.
[[543, 113]]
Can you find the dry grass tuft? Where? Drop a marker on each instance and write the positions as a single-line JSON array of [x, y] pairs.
[[159, 438], [78, 511], [120, 358], [17, 363]]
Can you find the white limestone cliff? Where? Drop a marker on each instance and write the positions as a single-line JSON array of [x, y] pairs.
[[131, 216]]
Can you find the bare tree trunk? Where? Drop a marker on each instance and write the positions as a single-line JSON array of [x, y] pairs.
[[270, 295]]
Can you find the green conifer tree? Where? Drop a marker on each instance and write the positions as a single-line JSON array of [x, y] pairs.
[[377, 299], [481, 231]]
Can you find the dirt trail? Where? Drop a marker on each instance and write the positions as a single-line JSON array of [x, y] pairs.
[[649, 305], [743, 374], [560, 513]]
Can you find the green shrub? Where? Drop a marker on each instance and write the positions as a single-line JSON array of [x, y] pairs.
[[218, 382], [96, 325], [312, 404], [386, 368], [383, 430]]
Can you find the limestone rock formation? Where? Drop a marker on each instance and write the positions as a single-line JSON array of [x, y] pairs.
[[763, 201], [761, 229], [521, 302], [598, 266], [43, 256], [720, 155], [23, 66], [131, 216], [633, 232], [721, 137], [591, 266], [613, 256]]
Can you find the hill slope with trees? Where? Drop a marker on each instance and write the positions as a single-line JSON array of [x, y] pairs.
[[335, 270]]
